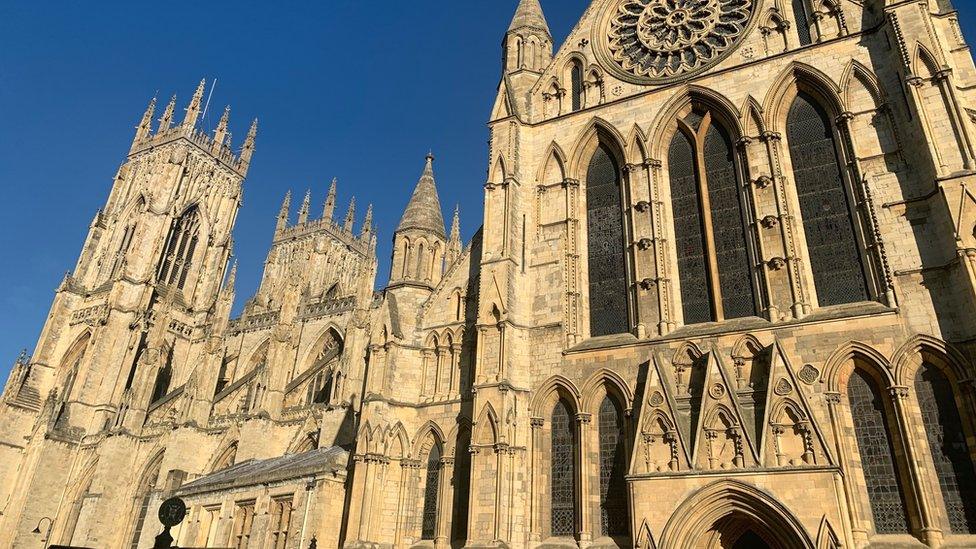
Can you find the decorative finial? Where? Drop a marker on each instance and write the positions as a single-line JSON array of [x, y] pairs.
[[368, 222], [330, 202], [221, 133], [193, 110], [303, 211], [350, 216], [247, 151], [166, 121]]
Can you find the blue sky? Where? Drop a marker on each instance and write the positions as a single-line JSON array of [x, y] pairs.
[[348, 89]]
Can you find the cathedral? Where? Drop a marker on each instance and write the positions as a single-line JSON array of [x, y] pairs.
[[723, 296]]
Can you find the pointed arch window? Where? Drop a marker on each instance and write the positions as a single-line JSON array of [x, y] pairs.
[[183, 240], [605, 243], [614, 509], [562, 475], [163, 379], [948, 446], [576, 80], [431, 494], [828, 217], [802, 22], [143, 497], [875, 446], [715, 260]]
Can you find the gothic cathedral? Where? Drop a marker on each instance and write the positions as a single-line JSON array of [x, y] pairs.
[[723, 296]]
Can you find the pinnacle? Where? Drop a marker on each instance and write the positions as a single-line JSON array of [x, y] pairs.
[[529, 14], [424, 210]]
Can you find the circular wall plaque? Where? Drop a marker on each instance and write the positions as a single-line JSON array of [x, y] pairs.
[[660, 41], [172, 512]]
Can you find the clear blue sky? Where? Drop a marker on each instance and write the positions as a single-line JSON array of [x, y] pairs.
[[351, 89]]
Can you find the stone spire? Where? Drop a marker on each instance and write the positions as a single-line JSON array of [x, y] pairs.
[[221, 134], [367, 223], [529, 15], [283, 213], [231, 278], [193, 110], [145, 125], [330, 202], [350, 216], [166, 121], [303, 211], [247, 151], [454, 244], [424, 210]]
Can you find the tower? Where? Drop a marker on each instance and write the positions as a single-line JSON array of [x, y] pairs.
[[420, 241], [127, 325]]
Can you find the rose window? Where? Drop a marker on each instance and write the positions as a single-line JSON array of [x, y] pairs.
[[660, 40]]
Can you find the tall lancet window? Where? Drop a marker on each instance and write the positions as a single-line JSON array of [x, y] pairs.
[[948, 446], [431, 493], [877, 454], [710, 224], [562, 472], [606, 260], [183, 241], [613, 464], [802, 22], [576, 78], [828, 217]]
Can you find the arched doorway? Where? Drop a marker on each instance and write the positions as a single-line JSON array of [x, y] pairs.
[[733, 515]]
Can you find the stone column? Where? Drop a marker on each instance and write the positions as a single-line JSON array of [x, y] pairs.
[[445, 506], [931, 533], [535, 506], [585, 513], [852, 514]]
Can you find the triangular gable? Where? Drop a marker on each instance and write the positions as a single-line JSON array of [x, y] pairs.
[[659, 447], [720, 442]]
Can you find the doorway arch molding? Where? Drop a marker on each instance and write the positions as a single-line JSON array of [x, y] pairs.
[[707, 508]]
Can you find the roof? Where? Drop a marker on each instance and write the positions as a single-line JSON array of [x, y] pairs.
[[258, 471], [424, 210], [529, 14]]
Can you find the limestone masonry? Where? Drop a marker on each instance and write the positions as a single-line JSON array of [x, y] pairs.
[[723, 296]]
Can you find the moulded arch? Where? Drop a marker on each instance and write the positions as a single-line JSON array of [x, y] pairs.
[[857, 73], [913, 352], [924, 62], [364, 440], [663, 127], [559, 385], [795, 78], [747, 346], [597, 131], [827, 538], [784, 406], [330, 330], [462, 427], [720, 413], [429, 430], [498, 172], [397, 442], [704, 509], [225, 458], [553, 170], [645, 540], [637, 145], [753, 123], [152, 467], [429, 436], [486, 429], [841, 363], [606, 381], [689, 352]]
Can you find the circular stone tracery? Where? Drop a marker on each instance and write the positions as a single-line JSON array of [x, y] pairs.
[[661, 40]]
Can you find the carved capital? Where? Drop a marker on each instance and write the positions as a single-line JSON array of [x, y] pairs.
[[899, 392], [643, 206], [776, 264], [770, 136], [584, 419], [769, 221], [832, 398], [648, 283], [537, 422], [645, 244], [763, 181]]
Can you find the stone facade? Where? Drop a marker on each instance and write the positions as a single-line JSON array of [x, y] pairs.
[[722, 297]]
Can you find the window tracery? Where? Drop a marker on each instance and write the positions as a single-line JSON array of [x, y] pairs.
[[613, 486], [828, 220], [605, 237], [183, 240], [562, 476], [431, 494], [714, 260], [875, 446]]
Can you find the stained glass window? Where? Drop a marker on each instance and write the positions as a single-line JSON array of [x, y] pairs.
[[947, 443], [877, 456], [563, 472], [802, 22], [696, 295], [178, 260], [613, 463], [577, 83], [728, 226], [431, 493], [832, 246], [605, 237], [709, 224]]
